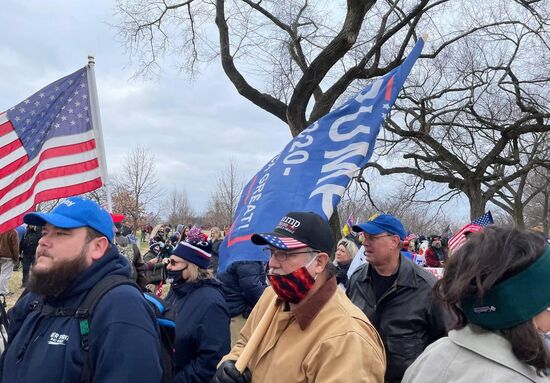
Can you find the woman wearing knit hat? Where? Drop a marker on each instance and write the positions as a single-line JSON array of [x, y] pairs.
[[497, 286], [202, 317]]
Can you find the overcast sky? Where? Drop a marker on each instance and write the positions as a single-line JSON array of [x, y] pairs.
[[194, 128]]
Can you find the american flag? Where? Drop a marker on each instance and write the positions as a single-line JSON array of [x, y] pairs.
[[284, 243], [47, 148], [476, 225]]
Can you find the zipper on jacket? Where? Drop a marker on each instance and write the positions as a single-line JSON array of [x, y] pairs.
[[29, 338], [389, 291], [392, 289]]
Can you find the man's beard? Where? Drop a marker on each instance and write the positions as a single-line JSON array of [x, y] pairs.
[[53, 282]]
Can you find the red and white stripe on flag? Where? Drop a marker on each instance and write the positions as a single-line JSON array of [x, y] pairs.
[[291, 243], [459, 238], [65, 166]]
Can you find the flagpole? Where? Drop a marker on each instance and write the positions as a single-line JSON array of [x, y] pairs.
[[96, 123]]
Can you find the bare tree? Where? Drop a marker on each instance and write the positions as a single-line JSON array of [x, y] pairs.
[[463, 121], [225, 196], [135, 188], [295, 59], [296, 47], [514, 197], [48, 206], [537, 212], [98, 195], [417, 217], [179, 209]]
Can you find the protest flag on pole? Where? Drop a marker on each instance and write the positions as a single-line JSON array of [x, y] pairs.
[[314, 169], [476, 225], [49, 147], [346, 230]]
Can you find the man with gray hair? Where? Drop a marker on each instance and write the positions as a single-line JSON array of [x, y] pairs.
[[303, 328], [396, 295]]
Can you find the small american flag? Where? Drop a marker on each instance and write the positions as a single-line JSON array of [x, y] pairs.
[[47, 148], [160, 289], [476, 225], [284, 243]]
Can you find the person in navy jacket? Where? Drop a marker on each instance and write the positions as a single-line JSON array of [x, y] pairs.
[[74, 253], [202, 317]]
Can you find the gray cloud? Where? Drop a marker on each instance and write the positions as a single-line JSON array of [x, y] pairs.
[[194, 128]]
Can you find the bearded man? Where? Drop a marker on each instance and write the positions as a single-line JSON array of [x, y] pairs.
[[75, 253], [435, 254]]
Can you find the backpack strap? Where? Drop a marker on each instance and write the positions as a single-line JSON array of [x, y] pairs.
[[4, 324], [86, 309], [83, 313]]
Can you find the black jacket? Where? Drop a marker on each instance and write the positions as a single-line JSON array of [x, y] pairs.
[[405, 315], [342, 273], [214, 262], [30, 243], [243, 284]]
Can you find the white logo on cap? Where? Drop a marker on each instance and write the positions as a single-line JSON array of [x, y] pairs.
[[484, 309], [289, 224], [68, 203]]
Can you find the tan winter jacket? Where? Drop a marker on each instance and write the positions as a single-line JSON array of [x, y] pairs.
[[327, 340], [9, 245]]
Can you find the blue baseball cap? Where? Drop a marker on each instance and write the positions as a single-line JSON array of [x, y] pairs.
[[73, 213], [383, 223]]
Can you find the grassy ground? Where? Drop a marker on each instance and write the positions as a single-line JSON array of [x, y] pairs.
[[14, 286]]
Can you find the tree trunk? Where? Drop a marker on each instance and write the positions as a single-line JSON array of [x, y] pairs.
[[334, 223], [545, 220], [519, 220], [477, 202]]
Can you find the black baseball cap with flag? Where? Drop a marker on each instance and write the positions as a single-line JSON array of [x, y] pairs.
[[297, 230]]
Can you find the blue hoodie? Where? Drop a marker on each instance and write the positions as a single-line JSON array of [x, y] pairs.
[[124, 338], [202, 329]]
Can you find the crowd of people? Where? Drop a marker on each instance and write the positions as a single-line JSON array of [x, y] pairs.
[[311, 313]]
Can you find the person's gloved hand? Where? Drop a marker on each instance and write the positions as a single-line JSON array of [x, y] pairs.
[[228, 373]]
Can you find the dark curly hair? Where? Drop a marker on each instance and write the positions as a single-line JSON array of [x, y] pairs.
[[487, 258]]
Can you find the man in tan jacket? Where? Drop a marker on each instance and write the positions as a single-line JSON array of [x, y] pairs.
[[9, 255], [314, 333]]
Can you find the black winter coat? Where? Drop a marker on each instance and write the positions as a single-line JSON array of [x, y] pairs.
[[405, 316], [215, 255], [30, 243], [243, 284], [202, 329], [342, 273]]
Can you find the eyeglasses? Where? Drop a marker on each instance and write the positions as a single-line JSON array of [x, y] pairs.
[[282, 255], [373, 238]]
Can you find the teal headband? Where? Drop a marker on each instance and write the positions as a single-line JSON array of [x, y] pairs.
[[513, 301]]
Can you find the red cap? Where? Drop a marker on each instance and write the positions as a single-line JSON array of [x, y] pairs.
[[117, 217]]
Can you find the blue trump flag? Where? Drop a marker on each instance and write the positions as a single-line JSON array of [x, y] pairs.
[[314, 169]]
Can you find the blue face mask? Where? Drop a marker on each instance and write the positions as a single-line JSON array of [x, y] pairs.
[[175, 277]]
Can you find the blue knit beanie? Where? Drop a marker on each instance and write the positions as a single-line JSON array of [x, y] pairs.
[[196, 253]]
